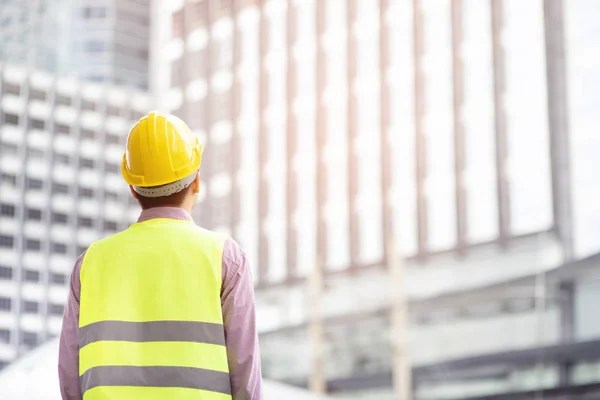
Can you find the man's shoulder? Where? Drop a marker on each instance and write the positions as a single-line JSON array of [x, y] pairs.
[[215, 236]]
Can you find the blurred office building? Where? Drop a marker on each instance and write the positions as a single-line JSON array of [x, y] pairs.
[[61, 144], [95, 40], [458, 134], [35, 33]]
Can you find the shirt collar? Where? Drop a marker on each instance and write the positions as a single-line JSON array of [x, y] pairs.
[[165, 212]]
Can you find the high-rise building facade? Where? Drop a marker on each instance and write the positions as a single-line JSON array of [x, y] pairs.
[[457, 132], [111, 41], [99, 41], [36, 33], [61, 144]]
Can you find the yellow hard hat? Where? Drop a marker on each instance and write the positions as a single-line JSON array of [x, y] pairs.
[[161, 149]]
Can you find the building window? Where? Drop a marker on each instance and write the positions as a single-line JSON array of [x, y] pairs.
[[4, 336], [112, 111], [9, 148], [34, 214], [7, 241], [110, 226], [86, 163], [56, 309], [112, 139], [136, 115], [88, 105], [29, 339], [60, 188], [12, 88], [36, 154], [94, 12], [37, 124], [38, 95], [5, 304], [177, 73], [11, 119], [63, 129], [34, 184], [32, 275], [63, 159], [96, 78], [33, 244], [58, 279], [109, 194], [198, 12], [59, 218], [95, 46], [88, 134], [7, 210], [59, 248], [8, 179], [114, 168], [30, 307], [85, 222], [6, 273], [62, 100], [86, 192], [177, 21]]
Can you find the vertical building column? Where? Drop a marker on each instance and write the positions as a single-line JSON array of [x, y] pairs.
[[321, 136], [20, 214], [559, 124], [497, 11], [386, 157], [47, 218], [263, 190], [124, 196], [234, 165], [420, 145], [566, 296], [75, 133], [352, 134], [207, 170], [291, 144], [102, 167], [459, 130]]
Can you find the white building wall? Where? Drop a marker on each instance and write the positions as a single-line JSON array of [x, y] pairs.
[[52, 204]]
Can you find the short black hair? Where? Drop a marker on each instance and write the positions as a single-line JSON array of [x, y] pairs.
[[173, 200]]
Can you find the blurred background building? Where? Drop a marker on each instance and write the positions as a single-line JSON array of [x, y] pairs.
[[452, 141], [35, 33], [60, 189], [459, 132], [95, 40]]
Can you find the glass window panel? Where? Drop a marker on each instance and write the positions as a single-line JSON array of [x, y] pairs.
[[478, 119], [400, 78], [582, 33], [437, 64], [336, 127], [276, 127], [248, 24], [304, 163], [527, 124], [367, 148]]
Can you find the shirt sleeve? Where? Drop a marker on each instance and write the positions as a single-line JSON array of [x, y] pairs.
[[239, 319], [68, 353]]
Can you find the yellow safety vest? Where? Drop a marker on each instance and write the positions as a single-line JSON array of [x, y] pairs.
[[150, 322]]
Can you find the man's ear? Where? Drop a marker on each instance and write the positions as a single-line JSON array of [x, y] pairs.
[[196, 184], [133, 192]]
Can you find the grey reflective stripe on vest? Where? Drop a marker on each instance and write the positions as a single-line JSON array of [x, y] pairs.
[[155, 331], [177, 377]]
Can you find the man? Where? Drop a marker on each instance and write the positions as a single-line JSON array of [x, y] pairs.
[[163, 310]]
